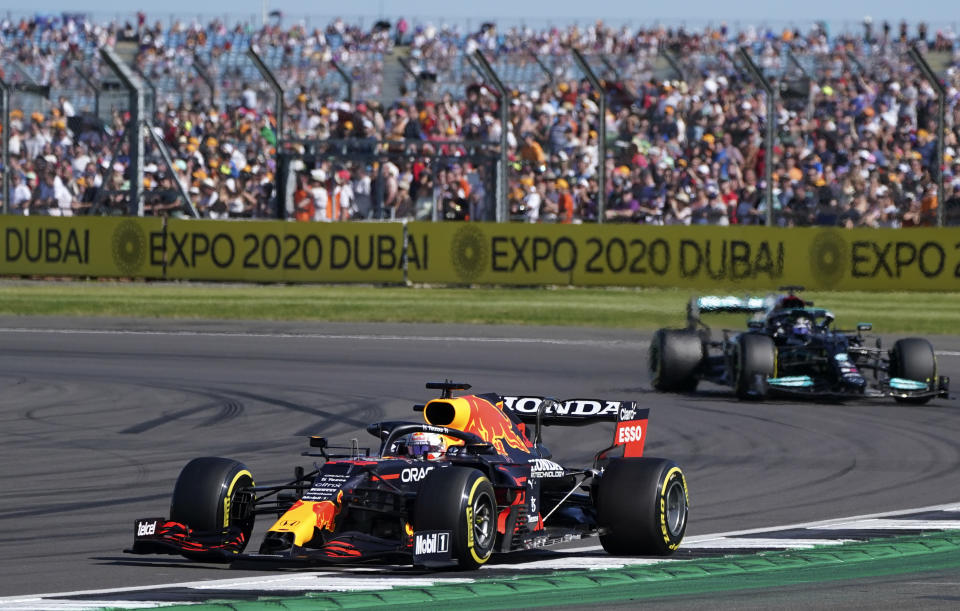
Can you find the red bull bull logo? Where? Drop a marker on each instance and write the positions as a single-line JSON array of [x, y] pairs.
[[327, 512], [304, 516], [472, 414], [492, 425]]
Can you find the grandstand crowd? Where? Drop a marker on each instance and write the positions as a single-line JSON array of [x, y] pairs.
[[859, 151]]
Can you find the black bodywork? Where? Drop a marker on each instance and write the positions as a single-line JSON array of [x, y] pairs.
[[365, 502], [811, 359]]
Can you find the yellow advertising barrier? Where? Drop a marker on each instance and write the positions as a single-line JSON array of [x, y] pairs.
[[278, 251], [686, 257], [80, 246], [703, 258]]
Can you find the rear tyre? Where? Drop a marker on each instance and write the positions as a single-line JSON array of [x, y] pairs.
[[462, 501], [210, 496], [642, 506], [756, 357], [673, 359], [912, 358]]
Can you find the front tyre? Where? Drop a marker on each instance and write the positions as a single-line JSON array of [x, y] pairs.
[[642, 506], [756, 360], [212, 495], [912, 358], [462, 501]]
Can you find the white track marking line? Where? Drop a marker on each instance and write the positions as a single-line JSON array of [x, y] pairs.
[[327, 580], [333, 336], [330, 579], [760, 543], [808, 525], [594, 563], [38, 604], [881, 524], [374, 337]]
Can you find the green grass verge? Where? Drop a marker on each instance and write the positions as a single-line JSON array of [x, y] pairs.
[[908, 555], [927, 313]]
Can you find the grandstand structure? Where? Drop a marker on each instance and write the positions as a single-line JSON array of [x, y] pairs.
[[53, 66]]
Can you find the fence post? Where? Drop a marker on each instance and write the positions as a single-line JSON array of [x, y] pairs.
[[490, 75], [601, 130], [204, 73], [93, 86], [134, 85], [347, 79], [771, 127], [921, 63], [168, 160], [5, 100], [267, 74]]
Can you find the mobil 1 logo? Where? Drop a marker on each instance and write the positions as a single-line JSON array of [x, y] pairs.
[[431, 547]]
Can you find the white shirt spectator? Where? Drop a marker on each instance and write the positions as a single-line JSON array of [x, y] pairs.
[[21, 195], [533, 205], [321, 199], [343, 195], [249, 98], [362, 191]]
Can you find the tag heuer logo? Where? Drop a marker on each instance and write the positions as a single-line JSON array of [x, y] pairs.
[[129, 247], [469, 252]]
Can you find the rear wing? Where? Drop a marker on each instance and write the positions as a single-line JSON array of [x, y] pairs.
[[710, 304], [570, 412], [631, 430]]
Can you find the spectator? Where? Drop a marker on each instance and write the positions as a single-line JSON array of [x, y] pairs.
[[866, 130]]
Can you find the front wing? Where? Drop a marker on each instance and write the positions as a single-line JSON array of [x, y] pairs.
[[807, 386], [162, 536]]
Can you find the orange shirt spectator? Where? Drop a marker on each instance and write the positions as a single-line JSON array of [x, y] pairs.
[[565, 202]]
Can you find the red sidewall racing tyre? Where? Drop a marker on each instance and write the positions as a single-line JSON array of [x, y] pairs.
[[642, 506]]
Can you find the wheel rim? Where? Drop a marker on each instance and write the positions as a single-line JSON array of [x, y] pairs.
[[676, 508], [482, 520], [238, 507]]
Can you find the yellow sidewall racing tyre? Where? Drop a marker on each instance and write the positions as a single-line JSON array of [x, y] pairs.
[[642, 506], [460, 500], [204, 497]]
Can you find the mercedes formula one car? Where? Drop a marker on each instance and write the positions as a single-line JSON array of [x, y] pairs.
[[474, 478], [791, 348]]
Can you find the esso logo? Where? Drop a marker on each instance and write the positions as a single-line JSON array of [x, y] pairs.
[[628, 434], [146, 528], [414, 474]]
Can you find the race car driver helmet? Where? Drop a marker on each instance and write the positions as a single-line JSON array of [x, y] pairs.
[[425, 445], [802, 326]]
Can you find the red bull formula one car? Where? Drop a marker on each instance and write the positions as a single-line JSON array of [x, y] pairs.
[[473, 479]]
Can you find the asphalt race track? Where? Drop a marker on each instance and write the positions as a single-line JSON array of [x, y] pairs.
[[97, 417]]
